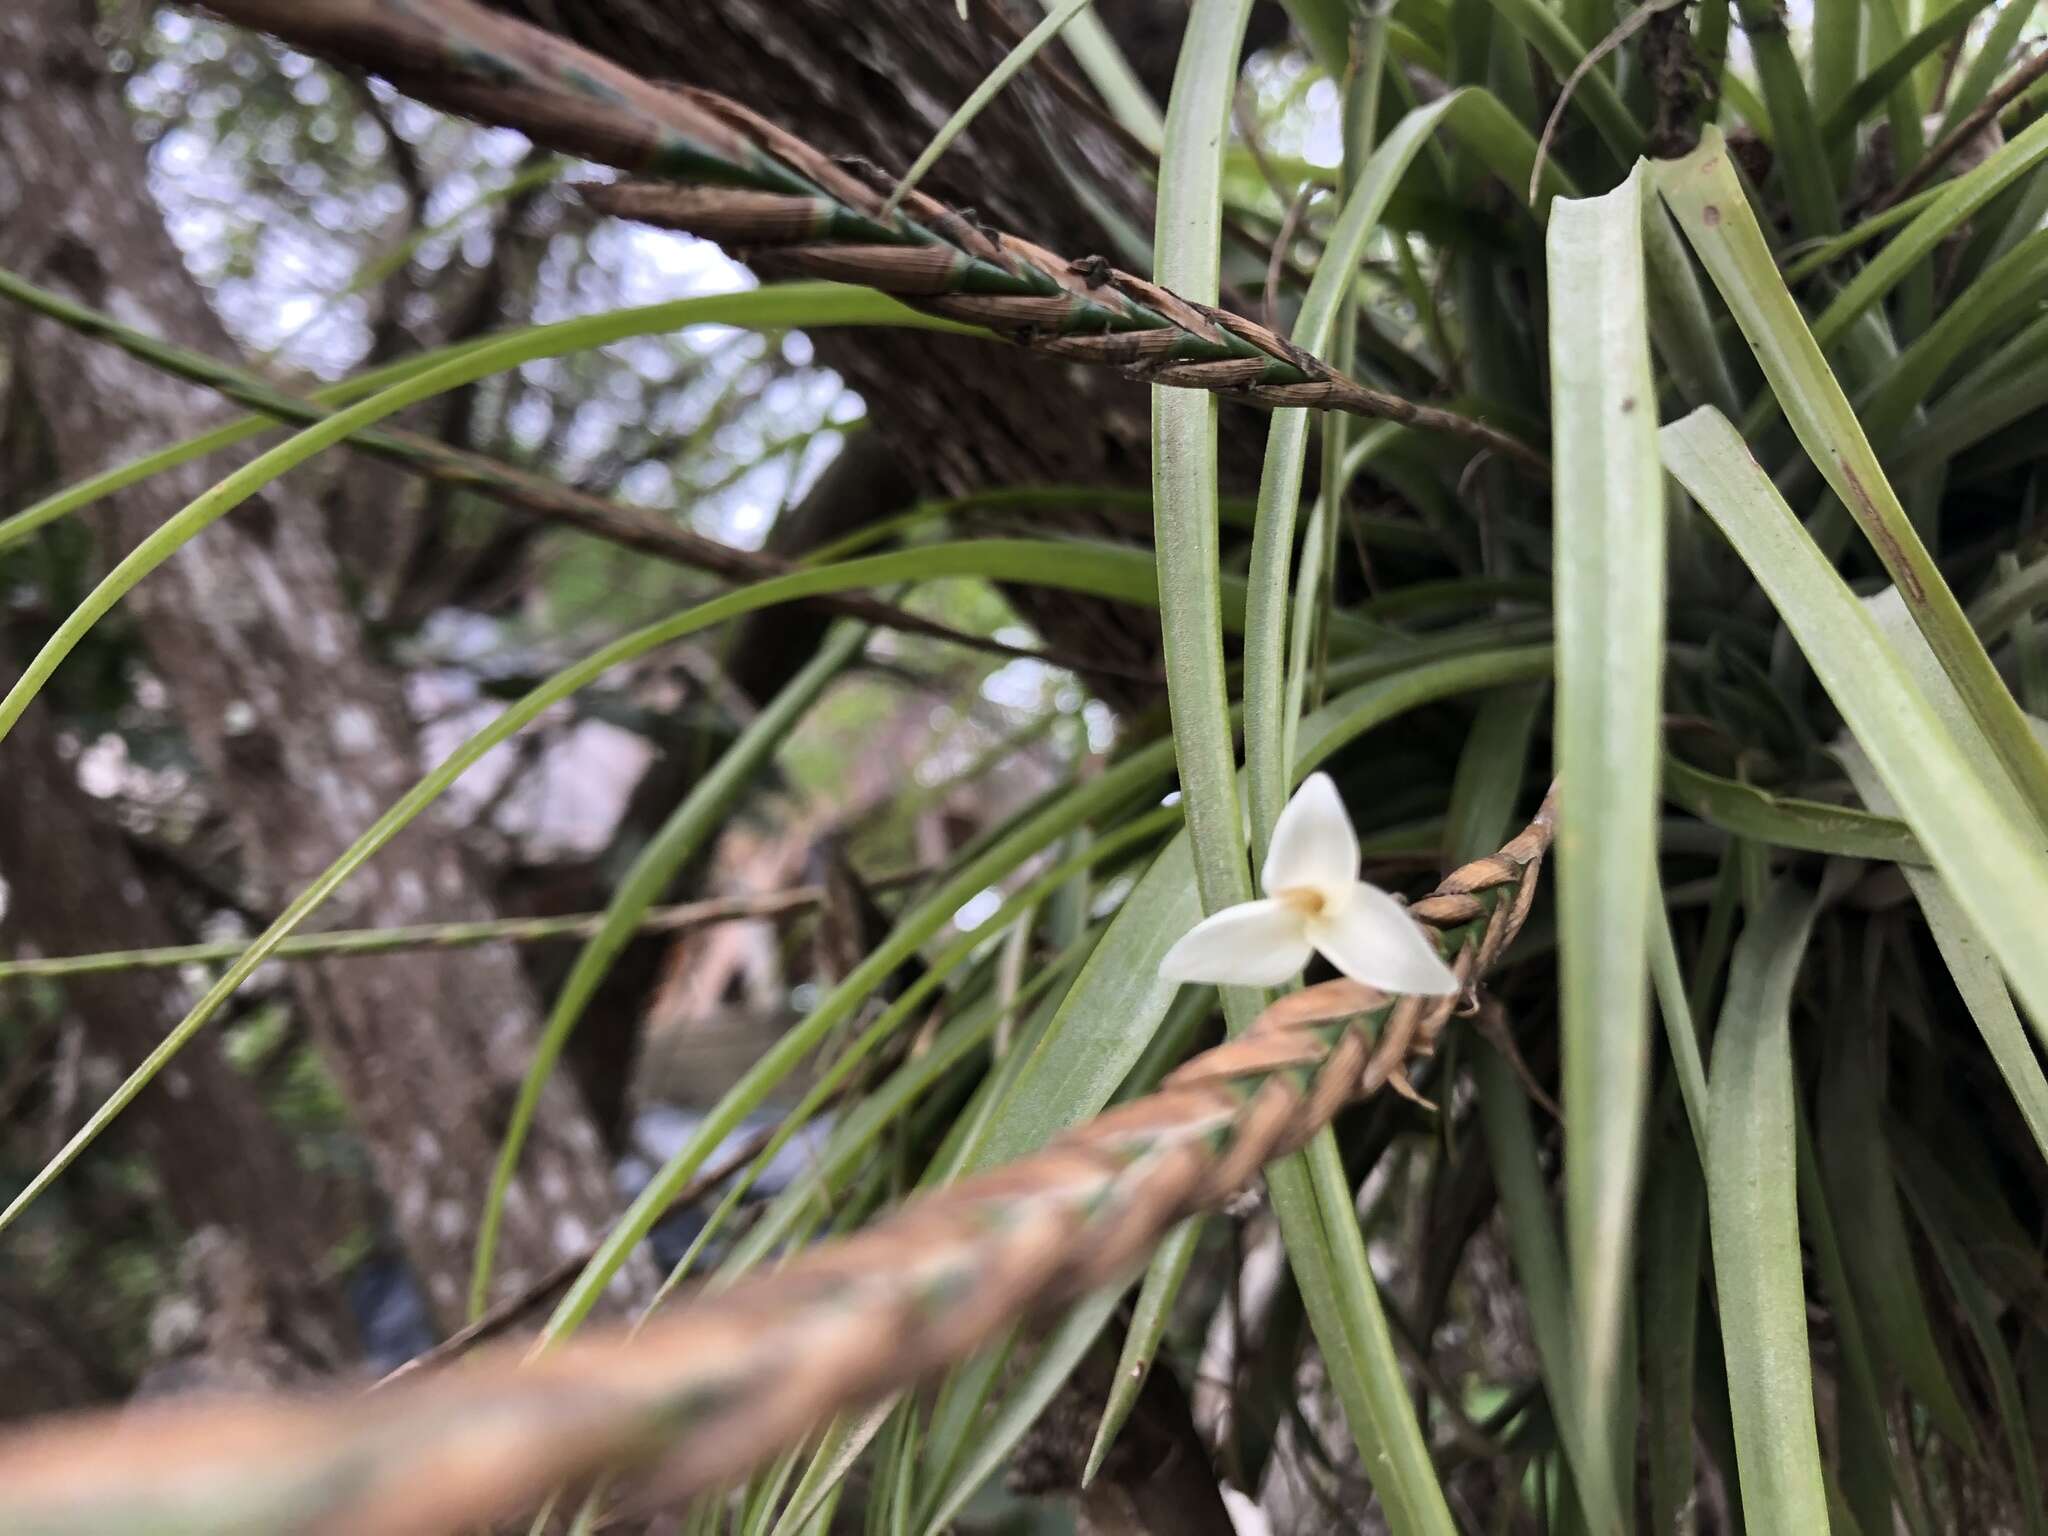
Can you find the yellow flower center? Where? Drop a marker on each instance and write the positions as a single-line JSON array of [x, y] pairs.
[[1303, 899]]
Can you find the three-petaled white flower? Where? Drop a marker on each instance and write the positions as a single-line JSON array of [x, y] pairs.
[[1314, 903]]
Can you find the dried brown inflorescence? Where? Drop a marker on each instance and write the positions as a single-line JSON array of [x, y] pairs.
[[709, 1390], [731, 175]]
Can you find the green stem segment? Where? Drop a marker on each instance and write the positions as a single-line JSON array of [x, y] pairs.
[[347, 942]]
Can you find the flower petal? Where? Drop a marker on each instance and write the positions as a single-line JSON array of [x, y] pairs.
[[1253, 944], [1313, 845], [1371, 938]]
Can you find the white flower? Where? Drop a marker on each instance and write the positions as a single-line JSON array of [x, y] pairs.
[[1315, 903]]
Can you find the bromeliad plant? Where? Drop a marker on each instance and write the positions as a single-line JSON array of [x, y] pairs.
[[1659, 387]]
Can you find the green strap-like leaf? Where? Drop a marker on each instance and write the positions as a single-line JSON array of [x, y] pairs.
[[1962, 199], [1609, 573], [812, 305], [1154, 1310], [1674, 1222], [1963, 950], [1875, 86], [1752, 1203], [1799, 151], [1991, 861], [1981, 1310], [1866, 1486], [1787, 822], [1877, 1257], [765, 307], [1055, 1361], [1712, 210]]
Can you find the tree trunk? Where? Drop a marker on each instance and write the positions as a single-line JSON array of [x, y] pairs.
[[222, 1161], [304, 734]]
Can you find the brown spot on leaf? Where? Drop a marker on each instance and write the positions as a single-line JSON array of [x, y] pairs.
[[1710, 215], [1628, 404], [1889, 549]]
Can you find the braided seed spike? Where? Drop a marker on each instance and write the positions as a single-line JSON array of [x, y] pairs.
[[1336, 1084], [1404, 1024], [456, 55], [730, 1378], [762, 136], [1507, 919], [1262, 1124], [931, 221], [1015, 288], [1326, 1000], [730, 217], [1256, 1051]]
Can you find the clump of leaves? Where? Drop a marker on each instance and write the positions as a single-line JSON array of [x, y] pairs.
[[1796, 363]]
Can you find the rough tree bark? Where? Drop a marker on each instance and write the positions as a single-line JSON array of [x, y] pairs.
[[222, 1161], [305, 736]]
